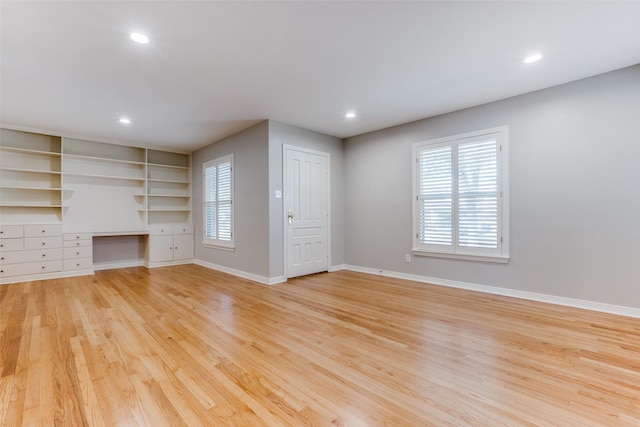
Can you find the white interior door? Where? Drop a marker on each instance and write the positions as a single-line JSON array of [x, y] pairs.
[[306, 211]]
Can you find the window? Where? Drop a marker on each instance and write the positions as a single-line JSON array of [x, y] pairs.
[[218, 202], [460, 196]]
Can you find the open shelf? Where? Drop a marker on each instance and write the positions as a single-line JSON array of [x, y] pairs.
[[90, 175], [30, 177]]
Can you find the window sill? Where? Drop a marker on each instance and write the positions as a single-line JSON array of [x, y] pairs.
[[481, 258], [220, 247]]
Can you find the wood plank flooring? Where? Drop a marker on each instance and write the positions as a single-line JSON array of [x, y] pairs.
[[188, 346]]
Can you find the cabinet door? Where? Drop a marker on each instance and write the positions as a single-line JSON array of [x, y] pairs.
[[160, 248], [183, 246]]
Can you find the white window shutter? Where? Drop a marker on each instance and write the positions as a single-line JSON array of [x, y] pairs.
[[478, 194], [218, 201], [435, 196], [461, 209]]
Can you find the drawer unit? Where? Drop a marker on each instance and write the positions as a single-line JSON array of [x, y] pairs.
[[15, 257], [32, 250], [77, 237], [79, 252], [42, 230], [78, 264], [77, 243], [43, 242], [30, 268], [10, 231], [183, 229], [11, 245], [159, 230]]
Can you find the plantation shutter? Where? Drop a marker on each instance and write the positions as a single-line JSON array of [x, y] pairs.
[[459, 204], [435, 196], [218, 209], [478, 194], [224, 201]]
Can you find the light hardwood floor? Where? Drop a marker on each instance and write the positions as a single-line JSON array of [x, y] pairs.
[[190, 346]]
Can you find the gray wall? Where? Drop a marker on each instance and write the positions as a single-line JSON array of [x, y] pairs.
[[258, 215], [251, 204], [575, 198], [281, 134]]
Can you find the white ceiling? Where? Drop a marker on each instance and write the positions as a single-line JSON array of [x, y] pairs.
[[214, 68]]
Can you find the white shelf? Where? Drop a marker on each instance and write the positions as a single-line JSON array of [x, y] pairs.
[[89, 175], [168, 166], [169, 210], [102, 159], [6, 187], [173, 196], [26, 205], [29, 151], [170, 181], [48, 172]]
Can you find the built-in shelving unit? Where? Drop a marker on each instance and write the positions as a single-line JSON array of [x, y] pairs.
[[30, 178], [89, 200], [102, 185], [168, 187]]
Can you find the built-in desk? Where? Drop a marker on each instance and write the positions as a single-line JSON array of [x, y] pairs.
[[119, 249]]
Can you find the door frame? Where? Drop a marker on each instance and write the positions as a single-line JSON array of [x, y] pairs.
[[285, 148]]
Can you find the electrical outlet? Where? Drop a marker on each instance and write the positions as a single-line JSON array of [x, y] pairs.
[[407, 258]]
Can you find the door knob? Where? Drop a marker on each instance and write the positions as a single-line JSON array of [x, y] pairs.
[[290, 216]]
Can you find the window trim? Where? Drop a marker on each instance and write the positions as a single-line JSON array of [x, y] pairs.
[[499, 255], [227, 245]]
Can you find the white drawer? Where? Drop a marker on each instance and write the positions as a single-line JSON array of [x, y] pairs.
[[30, 268], [42, 230], [79, 252], [9, 231], [157, 230], [77, 243], [77, 236], [11, 245], [43, 242], [78, 264], [183, 229], [30, 256]]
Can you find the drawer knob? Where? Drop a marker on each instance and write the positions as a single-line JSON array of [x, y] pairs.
[[43, 267], [44, 243], [2, 258], [77, 253], [77, 237], [78, 264], [43, 231], [44, 255]]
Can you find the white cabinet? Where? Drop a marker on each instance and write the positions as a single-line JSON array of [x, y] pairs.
[[30, 252], [168, 243]]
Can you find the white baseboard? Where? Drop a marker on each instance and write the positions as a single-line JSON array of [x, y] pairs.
[[45, 276], [119, 264], [551, 299], [338, 267], [250, 276], [168, 263]]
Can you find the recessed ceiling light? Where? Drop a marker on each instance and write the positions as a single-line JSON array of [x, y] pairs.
[[350, 115], [125, 120], [532, 58], [139, 38]]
